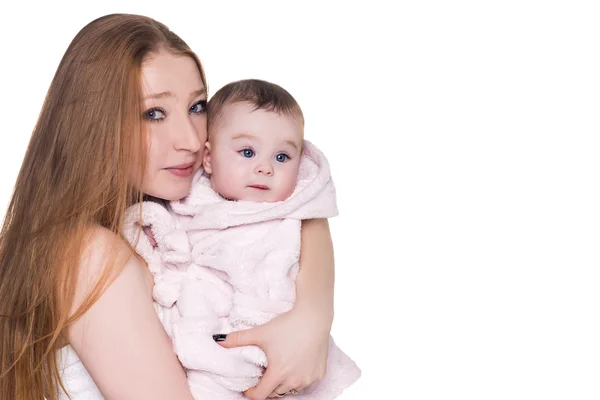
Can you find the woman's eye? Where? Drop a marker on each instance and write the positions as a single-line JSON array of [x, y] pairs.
[[199, 107], [248, 153], [282, 157], [154, 114]]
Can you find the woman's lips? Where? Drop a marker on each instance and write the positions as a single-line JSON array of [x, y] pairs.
[[182, 170]]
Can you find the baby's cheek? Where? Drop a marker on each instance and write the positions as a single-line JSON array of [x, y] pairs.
[[288, 187], [227, 188]]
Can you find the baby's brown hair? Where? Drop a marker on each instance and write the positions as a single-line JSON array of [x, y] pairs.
[[261, 94]]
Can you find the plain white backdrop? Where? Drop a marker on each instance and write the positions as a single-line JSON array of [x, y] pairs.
[[465, 145]]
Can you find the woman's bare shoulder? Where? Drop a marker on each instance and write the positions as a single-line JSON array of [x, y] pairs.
[[106, 256], [120, 339], [105, 249]]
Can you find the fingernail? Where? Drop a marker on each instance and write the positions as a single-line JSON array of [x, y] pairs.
[[220, 337]]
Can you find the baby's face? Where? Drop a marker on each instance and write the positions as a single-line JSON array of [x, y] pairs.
[[254, 155]]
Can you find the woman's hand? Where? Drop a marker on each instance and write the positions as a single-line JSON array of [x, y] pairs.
[[296, 344]]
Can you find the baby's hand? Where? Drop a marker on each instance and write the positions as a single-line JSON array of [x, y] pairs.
[[148, 232]]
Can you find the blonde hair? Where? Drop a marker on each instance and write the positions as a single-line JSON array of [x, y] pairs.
[[88, 142]]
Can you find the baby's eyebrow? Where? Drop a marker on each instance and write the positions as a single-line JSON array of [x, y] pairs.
[[252, 137], [292, 143], [243, 136]]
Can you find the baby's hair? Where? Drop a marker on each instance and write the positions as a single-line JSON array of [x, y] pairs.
[[262, 95]]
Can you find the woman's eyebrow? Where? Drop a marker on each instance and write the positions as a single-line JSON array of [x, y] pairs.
[[199, 92], [162, 95]]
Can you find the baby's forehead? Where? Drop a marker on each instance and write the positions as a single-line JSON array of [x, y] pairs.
[[245, 115], [246, 108]]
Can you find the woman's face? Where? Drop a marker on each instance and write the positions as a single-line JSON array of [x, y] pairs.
[[175, 115]]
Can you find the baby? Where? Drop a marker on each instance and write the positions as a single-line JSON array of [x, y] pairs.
[[255, 142], [226, 257]]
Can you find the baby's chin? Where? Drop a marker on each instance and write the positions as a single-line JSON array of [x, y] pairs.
[[266, 198], [251, 194]]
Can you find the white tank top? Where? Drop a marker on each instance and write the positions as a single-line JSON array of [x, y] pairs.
[[77, 380]]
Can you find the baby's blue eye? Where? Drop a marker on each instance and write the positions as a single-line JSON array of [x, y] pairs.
[[281, 157], [248, 153]]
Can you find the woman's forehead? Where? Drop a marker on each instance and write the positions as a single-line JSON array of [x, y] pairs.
[[168, 75]]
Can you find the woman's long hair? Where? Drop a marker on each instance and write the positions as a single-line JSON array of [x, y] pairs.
[[88, 143]]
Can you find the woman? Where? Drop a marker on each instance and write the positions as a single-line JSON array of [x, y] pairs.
[[124, 118]]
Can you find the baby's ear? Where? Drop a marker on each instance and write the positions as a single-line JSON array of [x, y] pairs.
[[206, 158]]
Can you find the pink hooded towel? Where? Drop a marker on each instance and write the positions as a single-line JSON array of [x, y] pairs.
[[223, 265]]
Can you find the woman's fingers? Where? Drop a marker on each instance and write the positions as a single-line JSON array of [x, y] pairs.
[[265, 387], [239, 338], [285, 389]]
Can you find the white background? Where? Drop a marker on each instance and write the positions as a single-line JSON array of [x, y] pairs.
[[464, 141]]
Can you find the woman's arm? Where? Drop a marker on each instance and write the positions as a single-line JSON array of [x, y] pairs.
[[314, 285], [296, 343], [120, 339]]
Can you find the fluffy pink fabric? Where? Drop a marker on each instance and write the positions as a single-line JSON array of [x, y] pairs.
[[224, 265]]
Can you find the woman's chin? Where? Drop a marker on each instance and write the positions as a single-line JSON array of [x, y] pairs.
[[170, 192]]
